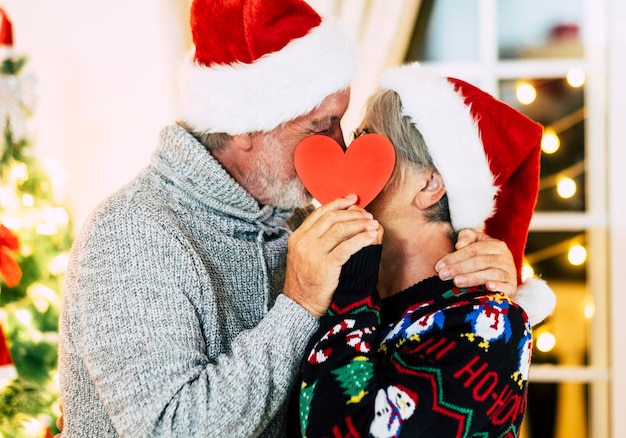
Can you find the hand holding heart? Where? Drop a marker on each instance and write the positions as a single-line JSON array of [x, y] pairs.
[[321, 246], [329, 173], [340, 227]]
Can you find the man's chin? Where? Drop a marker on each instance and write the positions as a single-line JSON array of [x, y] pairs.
[[293, 195], [300, 202]]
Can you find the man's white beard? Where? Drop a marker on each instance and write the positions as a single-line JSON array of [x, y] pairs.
[[289, 195], [276, 189]]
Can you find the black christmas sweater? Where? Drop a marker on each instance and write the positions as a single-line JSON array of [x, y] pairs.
[[432, 360]]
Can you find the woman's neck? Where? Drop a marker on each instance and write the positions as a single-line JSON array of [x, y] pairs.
[[408, 258]]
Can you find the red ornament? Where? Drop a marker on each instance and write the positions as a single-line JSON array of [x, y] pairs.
[[6, 29], [9, 269], [7, 368]]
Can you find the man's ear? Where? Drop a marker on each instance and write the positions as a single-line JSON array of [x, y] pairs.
[[431, 189], [244, 142]]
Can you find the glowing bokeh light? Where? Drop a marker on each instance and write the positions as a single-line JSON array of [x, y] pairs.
[[566, 187], [28, 200], [525, 93], [58, 265], [19, 171], [546, 342], [576, 77], [550, 142], [577, 255], [24, 316]]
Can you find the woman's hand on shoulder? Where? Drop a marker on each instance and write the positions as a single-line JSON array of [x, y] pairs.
[[480, 259]]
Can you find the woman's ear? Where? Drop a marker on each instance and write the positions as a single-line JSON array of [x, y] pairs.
[[431, 190]]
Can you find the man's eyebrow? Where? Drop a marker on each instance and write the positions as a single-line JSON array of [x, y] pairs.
[[324, 123]]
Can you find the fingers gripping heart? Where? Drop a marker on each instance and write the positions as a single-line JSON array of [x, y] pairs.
[[329, 173]]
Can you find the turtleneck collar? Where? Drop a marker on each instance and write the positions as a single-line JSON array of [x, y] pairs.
[[184, 160]]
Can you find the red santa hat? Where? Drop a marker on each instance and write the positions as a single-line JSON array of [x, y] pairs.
[[488, 155], [259, 63]]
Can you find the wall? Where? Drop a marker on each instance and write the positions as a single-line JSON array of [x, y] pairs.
[[106, 84]]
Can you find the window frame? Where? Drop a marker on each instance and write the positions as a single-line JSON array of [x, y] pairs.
[[616, 11], [604, 219]]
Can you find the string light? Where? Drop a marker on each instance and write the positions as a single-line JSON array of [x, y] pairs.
[[574, 171], [566, 187], [550, 142], [559, 249], [576, 77], [525, 93], [577, 255], [546, 341]]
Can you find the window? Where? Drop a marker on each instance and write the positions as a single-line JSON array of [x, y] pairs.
[[548, 59]]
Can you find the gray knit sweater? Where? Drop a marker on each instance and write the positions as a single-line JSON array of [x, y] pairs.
[[172, 321]]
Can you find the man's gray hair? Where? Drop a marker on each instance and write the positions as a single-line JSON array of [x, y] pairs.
[[212, 141]]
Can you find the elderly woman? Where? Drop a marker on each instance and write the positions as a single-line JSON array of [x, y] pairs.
[[401, 352]]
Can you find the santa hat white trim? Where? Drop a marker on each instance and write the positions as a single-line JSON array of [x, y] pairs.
[[536, 298], [453, 141], [241, 98]]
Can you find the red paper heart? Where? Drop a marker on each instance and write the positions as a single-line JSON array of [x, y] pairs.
[[328, 173]]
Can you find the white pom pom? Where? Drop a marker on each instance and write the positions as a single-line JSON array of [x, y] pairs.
[[536, 298]]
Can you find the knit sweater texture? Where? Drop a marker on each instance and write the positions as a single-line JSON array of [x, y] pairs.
[[432, 360], [173, 322]]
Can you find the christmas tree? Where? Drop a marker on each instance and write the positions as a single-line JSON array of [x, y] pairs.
[[35, 238], [355, 377]]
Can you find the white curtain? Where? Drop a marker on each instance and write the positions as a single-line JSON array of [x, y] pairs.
[[381, 30]]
